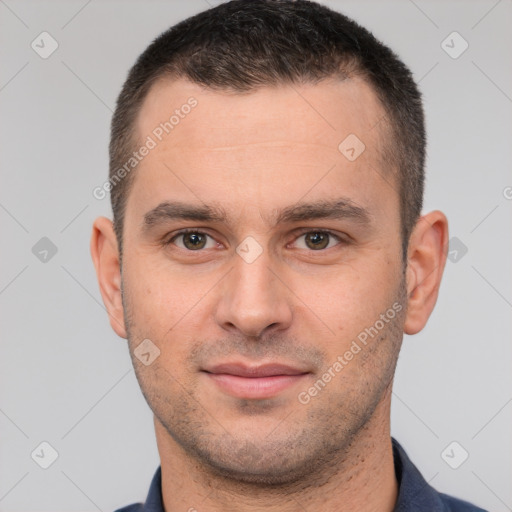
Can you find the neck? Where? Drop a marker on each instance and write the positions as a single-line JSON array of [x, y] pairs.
[[363, 479]]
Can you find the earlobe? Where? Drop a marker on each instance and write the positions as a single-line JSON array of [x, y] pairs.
[[105, 256], [426, 261]]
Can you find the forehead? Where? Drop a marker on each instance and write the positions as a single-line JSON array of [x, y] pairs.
[[259, 144], [327, 110]]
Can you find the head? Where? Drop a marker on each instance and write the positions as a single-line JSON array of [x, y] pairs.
[[291, 144]]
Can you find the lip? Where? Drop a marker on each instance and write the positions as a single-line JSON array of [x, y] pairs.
[[254, 382], [254, 371]]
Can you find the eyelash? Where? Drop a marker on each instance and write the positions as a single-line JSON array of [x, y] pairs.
[[339, 239]]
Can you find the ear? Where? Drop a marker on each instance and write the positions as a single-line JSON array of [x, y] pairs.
[[428, 247], [105, 255]]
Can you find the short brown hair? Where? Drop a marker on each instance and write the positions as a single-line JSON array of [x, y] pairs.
[[245, 44]]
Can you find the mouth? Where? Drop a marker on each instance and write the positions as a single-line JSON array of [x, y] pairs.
[[254, 382]]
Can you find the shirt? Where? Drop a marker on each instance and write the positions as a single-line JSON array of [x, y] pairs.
[[414, 493]]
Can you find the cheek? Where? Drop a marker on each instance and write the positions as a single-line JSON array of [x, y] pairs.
[[166, 305], [153, 298], [354, 300]]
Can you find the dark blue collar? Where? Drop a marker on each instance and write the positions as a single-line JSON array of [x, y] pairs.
[[416, 494]]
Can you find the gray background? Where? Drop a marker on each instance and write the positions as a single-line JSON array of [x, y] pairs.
[[66, 378]]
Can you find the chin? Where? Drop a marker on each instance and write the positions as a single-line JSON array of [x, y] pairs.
[[261, 466]]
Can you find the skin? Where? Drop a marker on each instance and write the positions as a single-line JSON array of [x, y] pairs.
[[255, 154]]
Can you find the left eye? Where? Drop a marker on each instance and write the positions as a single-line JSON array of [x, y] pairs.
[[318, 240]]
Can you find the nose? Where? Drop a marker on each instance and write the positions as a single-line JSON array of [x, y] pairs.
[[254, 298]]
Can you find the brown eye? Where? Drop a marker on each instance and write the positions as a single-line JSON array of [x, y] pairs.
[[317, 240], [192, 240]]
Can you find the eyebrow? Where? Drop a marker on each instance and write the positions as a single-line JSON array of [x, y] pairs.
[[337, 209]]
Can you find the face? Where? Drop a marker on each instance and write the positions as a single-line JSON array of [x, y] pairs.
[[278, 315]]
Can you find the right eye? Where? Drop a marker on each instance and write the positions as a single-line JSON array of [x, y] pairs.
[[191, 240]]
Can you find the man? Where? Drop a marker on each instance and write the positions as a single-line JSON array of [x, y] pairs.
[[266, 255]]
